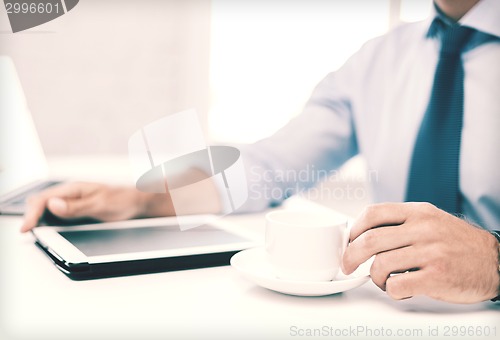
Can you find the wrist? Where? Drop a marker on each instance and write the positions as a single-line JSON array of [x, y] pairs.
[[496, 234], [154, 205]]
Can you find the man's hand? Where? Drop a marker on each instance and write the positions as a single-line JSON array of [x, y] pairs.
[[430, 252], [98, 201]]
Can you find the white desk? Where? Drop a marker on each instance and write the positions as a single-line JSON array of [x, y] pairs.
[[39, 302]]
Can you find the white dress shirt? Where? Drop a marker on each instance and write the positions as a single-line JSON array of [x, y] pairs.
[[373, 106]]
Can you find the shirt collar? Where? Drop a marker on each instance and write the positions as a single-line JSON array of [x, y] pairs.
[[483, 17]]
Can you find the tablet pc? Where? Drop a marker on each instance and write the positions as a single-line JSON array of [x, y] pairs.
[[139, 246]]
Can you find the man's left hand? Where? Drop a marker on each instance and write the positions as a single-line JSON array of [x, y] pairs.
[[430, 252]]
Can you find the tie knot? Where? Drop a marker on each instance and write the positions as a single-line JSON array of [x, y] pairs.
[[454, 38]]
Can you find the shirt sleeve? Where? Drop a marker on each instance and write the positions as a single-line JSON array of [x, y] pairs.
[[311, 145]]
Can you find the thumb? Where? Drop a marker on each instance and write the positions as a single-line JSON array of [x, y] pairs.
[[68, 208], [57, 206]]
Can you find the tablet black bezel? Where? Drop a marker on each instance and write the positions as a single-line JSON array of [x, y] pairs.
[[86, 271], [77, 266]]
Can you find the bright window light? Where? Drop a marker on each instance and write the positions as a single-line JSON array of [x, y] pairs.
[[415, 10], [267, 56]]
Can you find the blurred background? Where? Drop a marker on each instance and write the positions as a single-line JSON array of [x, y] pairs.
[[97, 74]]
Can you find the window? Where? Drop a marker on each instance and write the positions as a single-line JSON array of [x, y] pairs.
[[267, 56]]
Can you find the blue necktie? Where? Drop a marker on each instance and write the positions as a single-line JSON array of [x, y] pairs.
[[434, 170]]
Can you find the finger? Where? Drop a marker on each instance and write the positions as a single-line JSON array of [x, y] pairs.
[[392, 262], [373, 242], [35, 205], [407, 285], [72, 207], [383, 214], [34, 211], [65, 190]]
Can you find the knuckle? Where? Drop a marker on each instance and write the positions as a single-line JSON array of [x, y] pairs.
[[378, 281], [425, 227], [368, 239], [369, 212], [377, 274], [426, 208], [395, 288]]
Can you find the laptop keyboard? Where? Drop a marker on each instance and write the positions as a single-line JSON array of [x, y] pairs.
[[20, 200]]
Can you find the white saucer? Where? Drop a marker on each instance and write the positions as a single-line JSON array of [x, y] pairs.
[[253, 265]]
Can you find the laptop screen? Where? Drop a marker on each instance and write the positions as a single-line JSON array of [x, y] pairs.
[[21, 156]]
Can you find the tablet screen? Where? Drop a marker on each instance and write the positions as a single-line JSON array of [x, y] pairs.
[[132, 240]]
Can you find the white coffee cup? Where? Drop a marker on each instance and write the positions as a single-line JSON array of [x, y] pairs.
[[305, 246]]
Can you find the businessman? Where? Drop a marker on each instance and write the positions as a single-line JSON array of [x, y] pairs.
[[422, 105]]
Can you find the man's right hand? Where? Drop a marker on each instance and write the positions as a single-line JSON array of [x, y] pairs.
[[97, 201]]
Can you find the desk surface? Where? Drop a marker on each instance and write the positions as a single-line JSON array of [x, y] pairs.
[[39, 302]]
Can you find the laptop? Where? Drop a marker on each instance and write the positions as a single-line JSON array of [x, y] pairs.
[[23, 166]]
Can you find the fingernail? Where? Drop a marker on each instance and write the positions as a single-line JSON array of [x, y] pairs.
[[58, 205]]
